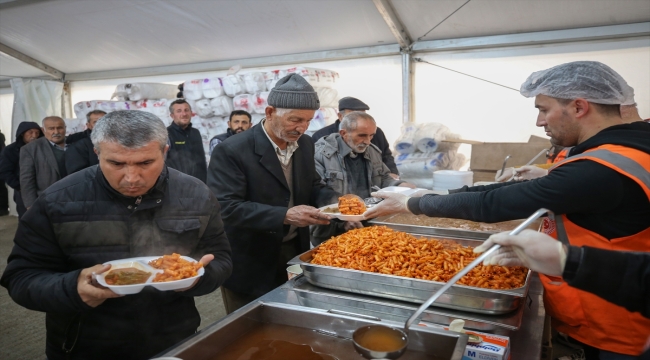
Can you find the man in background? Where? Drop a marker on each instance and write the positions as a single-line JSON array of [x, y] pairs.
[[27, 132], [240, 120], [186, 152], [350, 163], [91, 119], [81, 153], [42, 161], [4, 193], [346, 106]]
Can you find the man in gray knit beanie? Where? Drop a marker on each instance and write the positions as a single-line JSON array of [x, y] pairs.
[[266, 182]]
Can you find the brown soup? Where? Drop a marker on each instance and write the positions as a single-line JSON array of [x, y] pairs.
[[126, 276], [380, 338]]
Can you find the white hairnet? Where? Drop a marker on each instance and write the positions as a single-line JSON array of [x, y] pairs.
[[589, 80]]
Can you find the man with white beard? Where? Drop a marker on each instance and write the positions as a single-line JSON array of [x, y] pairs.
[[350, 164]]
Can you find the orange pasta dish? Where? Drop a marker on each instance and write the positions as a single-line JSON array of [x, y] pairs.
[[351, 205], [175, 268], [386, 251]]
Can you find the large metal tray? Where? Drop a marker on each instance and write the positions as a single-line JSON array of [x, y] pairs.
[[390, 222], [333, 300], [458, 297], [325, 332]]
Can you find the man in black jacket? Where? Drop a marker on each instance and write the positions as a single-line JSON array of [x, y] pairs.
[[267, 185], [10, 160], [240, 120], [130, 205], [346, 106], [91, 118], [186, 152]]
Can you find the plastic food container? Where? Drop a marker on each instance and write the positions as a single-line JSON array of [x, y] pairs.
[[142, 263]]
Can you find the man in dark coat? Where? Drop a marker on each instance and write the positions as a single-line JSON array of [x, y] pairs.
[[267, 185], [346, 106], [186, 152], [10, 160], [4, 194], [80, 155], [239, 120], [130, 205], [91, 118]]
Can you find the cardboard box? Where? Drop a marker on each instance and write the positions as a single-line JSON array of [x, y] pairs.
[[493, 347], [487, 158]]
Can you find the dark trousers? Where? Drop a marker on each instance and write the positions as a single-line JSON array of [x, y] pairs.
[[20, 205], [592, 353], [289, 249], [4, 199]]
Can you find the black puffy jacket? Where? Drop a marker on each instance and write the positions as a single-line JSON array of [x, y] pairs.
[[186, 152], [80, 155], [10, 156], [81, 221]]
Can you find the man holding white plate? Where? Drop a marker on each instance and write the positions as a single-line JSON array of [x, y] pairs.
[[130, 205]]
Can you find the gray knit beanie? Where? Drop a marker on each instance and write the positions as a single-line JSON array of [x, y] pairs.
[[293, 92]]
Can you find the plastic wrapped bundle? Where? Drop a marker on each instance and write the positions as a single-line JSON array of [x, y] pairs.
[[254, 82], [193, 89], [221, 106], [75, 125], [140, 91], [429, 136], [272, 77], [243, 102], [211, 88], [405, 142], [260, 102], [421, 165], [449, 146], [203, 108], [232, 86], [328, 97], [215, 125]]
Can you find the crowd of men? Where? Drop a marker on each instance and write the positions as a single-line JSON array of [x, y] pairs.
[[147, 190]]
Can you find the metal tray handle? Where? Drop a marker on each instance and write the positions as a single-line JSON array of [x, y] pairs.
[[361, 316]]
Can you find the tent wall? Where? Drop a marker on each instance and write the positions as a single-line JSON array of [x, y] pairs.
[[475, 109]]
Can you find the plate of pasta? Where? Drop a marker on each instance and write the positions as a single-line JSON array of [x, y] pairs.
[[167, 272], [349, 208]]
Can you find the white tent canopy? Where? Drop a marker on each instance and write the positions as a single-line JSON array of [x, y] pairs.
[[101, 39]]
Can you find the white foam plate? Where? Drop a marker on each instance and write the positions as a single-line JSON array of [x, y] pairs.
[[401, 190], [340, 216], [142, 263]]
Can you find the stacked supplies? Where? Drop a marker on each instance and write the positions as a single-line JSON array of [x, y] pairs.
[[141, 91], [420, 152]]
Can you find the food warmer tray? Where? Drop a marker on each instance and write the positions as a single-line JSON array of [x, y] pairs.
[[458, 297], [325, 332], [334, 300], [440, 231]]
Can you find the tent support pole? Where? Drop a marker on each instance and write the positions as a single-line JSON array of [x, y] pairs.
[[31, 61], [407, 88]]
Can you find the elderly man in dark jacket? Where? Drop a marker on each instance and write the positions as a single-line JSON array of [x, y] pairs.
[[130, 205], [186, 152], [267, 184], [347, 105], [10, 159]]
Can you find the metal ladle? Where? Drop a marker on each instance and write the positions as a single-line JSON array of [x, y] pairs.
[[503, 168], [395, 354]]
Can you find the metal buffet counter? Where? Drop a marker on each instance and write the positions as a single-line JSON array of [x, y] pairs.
[[327, 304]]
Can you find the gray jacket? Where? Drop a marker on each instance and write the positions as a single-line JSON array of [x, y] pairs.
[[330, 164], [330, 152], [38, 169]]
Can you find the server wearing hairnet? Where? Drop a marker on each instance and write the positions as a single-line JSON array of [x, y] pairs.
[[600, 194]]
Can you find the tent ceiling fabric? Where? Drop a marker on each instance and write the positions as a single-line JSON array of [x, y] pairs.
[[10, 66], [77, 36], [497, 17]]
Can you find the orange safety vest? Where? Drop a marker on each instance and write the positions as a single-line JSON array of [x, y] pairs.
[[582, 315], [560, 156]]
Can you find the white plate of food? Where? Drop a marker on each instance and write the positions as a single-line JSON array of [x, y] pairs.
[[168, 272], [333, 210]]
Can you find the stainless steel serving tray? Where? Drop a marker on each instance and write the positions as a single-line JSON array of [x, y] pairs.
[[333, 300], [458, 297], [437, 231], [336, 329]]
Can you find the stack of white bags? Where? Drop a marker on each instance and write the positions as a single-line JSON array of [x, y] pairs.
[[420, 151], [213, 99], [217, 97]]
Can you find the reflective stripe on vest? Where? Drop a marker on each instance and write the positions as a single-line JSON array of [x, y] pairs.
[[584, 316]]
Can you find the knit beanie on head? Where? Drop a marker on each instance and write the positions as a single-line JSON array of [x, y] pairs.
[[293, 92]]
